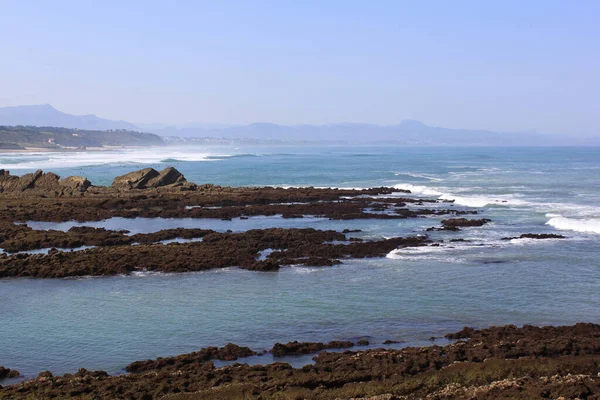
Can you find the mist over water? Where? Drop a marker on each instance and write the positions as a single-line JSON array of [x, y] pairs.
[[412, 294]]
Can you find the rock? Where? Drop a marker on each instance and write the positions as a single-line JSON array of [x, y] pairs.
[[45, 374], [229, 352], [363, 342], [462, 222], [27, 181], [168, 176], [498, 362], [297, 348], [135, 180], [263, 265], [536, 236], [8, 373], [465, 333], [78, 183], [47, 181], [36, 180]]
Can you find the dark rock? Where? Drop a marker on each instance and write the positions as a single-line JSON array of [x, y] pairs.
[[263, 265], [8, 373], [536, 236], [297, 348], [168, 176], [465, 333], [135, 180], [363, 342], [45, 374], [229, 352], [77, 183], [498, 362], [463, 222]]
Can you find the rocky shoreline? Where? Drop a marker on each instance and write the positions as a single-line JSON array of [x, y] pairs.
[[149, 193], [497, 362]]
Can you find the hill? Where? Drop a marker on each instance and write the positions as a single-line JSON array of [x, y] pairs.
[[14, 137], [46, 115], [408, 132]]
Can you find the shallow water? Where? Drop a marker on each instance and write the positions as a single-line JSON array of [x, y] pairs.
[[105, 323]]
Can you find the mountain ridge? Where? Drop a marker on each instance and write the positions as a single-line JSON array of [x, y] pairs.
[[44, 115], [407, 132]]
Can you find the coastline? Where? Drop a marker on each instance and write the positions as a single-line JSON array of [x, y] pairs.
[[26, 150]]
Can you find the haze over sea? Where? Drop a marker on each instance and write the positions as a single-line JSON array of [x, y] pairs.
[[412, 294]]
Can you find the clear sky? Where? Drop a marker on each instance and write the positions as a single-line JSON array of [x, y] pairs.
[[500, 65]]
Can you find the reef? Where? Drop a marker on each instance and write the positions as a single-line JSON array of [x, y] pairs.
[[150, 193], [536, 236], [298, 348], [216, 250], [497, 362]]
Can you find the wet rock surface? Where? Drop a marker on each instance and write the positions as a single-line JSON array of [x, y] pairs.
[[463, 222], [229, 352], [216, 250], [298, 348], [8, 373], [498, 362], [536, 236], [148, 193]]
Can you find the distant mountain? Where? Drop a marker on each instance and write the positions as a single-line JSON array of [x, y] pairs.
[[46, 115], [408, 132]]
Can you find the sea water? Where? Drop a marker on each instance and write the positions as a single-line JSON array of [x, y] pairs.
[[410, 295]]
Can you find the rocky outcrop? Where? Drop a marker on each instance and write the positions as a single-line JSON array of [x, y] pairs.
[[16, 238], [498, 362], [76, 183], [463, 222], [10, 183], [8, 373], [536, 236], [216, 250], [298, 348], [229, 352], [41, 183], [149, 178], [135, 179], [168, 176]]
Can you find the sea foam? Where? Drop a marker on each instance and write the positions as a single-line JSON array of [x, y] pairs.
[[468, 201], [570, 224]]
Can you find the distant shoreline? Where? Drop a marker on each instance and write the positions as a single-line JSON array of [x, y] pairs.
[[69, 149]]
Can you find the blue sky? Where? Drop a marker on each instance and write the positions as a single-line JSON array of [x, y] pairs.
[[501, 65]]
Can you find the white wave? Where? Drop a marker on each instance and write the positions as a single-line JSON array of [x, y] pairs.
[[302, 270], [420, 176], [530, 241], [568, 209], [416, 189], [105, 157], [468, 201], [570, 224]]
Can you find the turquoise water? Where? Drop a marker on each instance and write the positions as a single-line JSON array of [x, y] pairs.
[[105, 323]]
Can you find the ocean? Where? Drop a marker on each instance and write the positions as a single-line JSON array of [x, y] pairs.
[[409, 296]]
